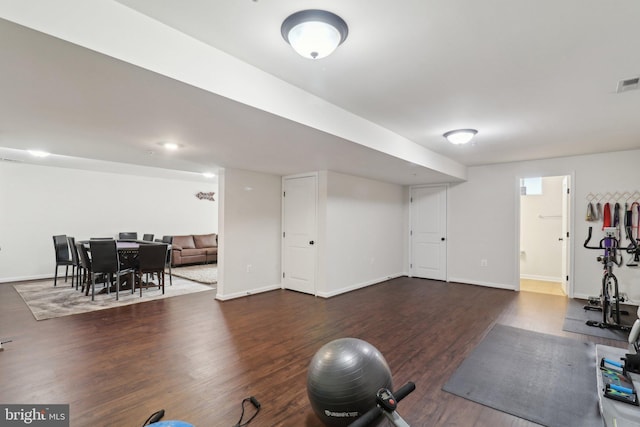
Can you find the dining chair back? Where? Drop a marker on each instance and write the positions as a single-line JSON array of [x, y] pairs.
[[63, 257], [85, 265], [148, 237], [75, 260], [129, 235], [152, 260], [105, 260], [169, 241]]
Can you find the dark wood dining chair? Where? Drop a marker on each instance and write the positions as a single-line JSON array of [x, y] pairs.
[[75, 259], [85, 264], [128, 235], [105, 260], [151, 260], [169, 241], [147, 237], [63, 256]]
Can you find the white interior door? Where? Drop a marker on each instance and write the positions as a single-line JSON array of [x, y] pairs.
[[299, 233], [428, 232], [566, 247]]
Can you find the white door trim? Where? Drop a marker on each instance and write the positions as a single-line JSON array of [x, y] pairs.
[[571, 248]]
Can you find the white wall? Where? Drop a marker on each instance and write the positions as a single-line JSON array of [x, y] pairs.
[[540, 229], [363, 222], [483, 215], [250, 233], [37, 202], [364, 232]]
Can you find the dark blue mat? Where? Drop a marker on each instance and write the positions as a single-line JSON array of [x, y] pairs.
[[542, 378], [576, 318]]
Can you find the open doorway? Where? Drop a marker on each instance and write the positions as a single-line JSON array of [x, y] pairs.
[[544, 237]]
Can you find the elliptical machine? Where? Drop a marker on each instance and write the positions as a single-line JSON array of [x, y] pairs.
[[609, 300]]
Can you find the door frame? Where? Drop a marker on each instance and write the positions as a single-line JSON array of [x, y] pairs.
[[570, 247], [445, 188], [315, 231]]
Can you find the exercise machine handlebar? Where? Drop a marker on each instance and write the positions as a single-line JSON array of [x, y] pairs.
[[586, 242], [372, 414], [608, 242], [612, 242]]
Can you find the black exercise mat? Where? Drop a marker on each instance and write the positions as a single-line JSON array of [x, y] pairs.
[[542, 378], [576, 317]]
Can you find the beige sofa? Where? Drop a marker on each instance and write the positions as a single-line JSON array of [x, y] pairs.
[[194, 249]]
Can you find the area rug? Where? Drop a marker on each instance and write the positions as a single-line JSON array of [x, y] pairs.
[[542, 378], [576, 317], [207, 273], [46, 301]]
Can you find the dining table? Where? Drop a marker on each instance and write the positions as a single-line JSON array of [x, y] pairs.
[[128, 256]]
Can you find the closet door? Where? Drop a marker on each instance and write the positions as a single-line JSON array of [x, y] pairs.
[[429, 232], [299, 225]]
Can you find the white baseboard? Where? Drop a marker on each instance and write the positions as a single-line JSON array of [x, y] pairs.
[[26, 278], [481, 283], [227, 297], [583, 296], [359, 285], [541, 278]]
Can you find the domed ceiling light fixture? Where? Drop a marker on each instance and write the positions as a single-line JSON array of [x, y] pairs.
[[314, 33], [460, 136]]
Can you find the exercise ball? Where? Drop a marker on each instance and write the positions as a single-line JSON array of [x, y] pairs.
[[343, 379]]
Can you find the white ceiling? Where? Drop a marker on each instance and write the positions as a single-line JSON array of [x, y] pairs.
[[537, 79]]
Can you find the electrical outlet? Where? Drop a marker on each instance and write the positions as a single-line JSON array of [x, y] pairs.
[[249, 268], [483, 263]]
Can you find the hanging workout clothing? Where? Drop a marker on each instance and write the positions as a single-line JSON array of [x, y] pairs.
[[637, 226], [606, 222], [591, 216], [606, 216], [628, 221], [616, 219], [629, 226], [636, 256]]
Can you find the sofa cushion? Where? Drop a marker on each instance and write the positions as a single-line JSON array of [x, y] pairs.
[[205, 240], [184, 242], [192, 252]]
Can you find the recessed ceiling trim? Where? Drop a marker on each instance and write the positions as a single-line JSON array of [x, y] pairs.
[[208, 68]]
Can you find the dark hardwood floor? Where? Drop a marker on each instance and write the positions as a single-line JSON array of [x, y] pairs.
[[198, 358]]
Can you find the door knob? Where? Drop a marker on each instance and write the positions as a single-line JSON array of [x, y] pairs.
[[442, 238], [311, 242]]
